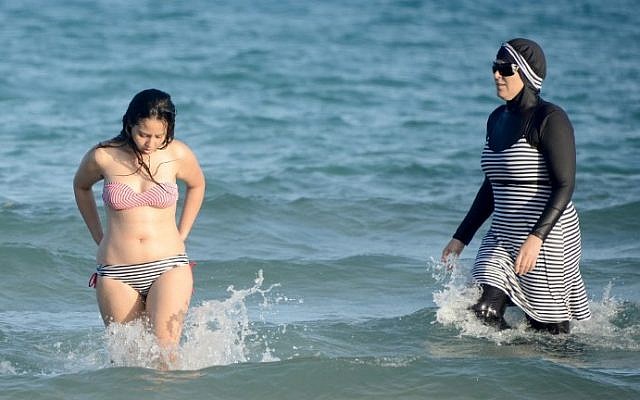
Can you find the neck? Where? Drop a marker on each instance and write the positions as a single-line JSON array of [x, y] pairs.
[[524, 100]]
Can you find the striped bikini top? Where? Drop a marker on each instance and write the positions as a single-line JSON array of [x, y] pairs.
[[120, 196]]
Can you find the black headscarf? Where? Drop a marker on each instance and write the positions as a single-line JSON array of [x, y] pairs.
[[529, 57]]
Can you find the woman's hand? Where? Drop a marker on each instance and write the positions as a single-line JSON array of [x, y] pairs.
[[528, 255], [452, 250]]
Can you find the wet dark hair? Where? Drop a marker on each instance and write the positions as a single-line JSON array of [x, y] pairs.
[[149, 103]]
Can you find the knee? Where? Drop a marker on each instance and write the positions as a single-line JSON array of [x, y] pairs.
[[490, 316], [491, 306], [554, 328], [485, 310]]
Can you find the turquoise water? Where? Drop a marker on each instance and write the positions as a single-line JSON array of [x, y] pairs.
[[341, 145]]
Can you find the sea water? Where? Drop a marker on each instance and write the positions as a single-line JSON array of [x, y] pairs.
[[341, 143]]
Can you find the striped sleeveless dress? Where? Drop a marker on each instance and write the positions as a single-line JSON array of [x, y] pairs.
[[554, 290]]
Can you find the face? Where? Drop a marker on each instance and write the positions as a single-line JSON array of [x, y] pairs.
[[149, 134], [507, 87]]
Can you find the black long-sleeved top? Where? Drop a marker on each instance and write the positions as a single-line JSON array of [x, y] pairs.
[[547, 128]]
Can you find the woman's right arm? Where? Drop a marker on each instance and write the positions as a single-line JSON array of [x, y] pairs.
[[88, 173], [480, 210]]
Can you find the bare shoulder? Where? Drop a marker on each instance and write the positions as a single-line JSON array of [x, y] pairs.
[[188, 166], [179, 148], [92, 157], [100, 154], [106, 155], [91, 167], [181, 151]]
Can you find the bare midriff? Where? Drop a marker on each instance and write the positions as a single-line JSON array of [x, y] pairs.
[[138, 235]]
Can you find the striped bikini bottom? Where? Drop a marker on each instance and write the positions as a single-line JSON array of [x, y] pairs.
[[140, 276]]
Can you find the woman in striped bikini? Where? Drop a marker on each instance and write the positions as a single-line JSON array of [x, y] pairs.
[[530, 255], [143, 270]]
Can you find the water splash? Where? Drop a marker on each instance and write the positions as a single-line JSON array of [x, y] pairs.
[[219, 332], [6, 368], [215, 333], [614, 323], [458, 293], [609, 327]]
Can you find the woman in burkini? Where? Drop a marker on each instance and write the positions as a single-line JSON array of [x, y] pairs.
[[143, 270], [530, 255]]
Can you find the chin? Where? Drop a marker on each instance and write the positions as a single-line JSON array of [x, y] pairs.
[[504, 96]]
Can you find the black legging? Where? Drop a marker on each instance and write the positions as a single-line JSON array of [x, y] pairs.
[[492, 304]]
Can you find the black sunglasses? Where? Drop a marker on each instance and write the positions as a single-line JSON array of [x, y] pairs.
[[505, 69]]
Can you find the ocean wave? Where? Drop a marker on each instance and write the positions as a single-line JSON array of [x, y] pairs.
[[619, 221], [628, 212]]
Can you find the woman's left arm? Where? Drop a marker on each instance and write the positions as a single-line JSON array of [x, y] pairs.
[[557, 145], [190, 173]]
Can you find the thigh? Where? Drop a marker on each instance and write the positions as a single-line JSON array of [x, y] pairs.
[[168, 302], [118, 302]]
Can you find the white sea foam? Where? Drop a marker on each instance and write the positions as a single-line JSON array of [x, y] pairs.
[[458, 293], [217, 332], [6, 368]]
